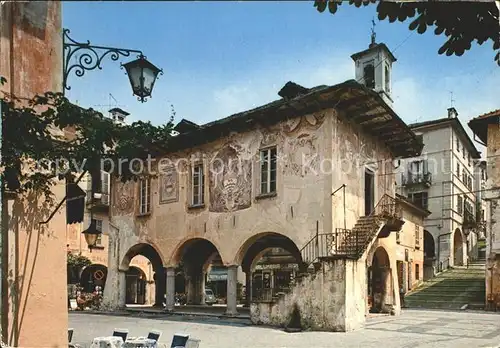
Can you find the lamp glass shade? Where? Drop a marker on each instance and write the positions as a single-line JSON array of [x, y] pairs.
[[142, 75], [91, 234], [91, 239]]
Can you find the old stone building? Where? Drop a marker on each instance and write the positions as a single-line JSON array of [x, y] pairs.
[[486, 128], [33, 254], [263, 179]]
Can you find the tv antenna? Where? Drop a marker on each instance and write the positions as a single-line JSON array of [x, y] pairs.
[[451, 99], [112, 103]]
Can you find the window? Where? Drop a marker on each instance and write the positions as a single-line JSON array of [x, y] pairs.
[[463, 152], [464, 177], [268, 171], [460, 205], [419, 199], [458, 170], [469, 182], [144, 196], [417, 271], [197, 185], [98, 226], [105, 187], [469, 159], [369, 75], [417, 237], [458, 144]]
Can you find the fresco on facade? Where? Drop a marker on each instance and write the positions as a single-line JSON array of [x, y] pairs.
[[230, 180], [124, 197], [301, 152], [169, 185]]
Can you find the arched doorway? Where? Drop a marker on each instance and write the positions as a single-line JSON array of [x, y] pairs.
[[458, 248], [429, 255], [429, 245], [159, 276], [92, 276], [380, 281], [197, 260], [270, 262], [135, 286]]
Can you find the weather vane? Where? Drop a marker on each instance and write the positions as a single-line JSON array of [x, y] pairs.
[[373, 31]]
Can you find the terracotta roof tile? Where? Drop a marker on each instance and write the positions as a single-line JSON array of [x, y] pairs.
[[489, 114]]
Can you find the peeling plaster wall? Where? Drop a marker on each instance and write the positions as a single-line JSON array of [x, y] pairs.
[[493, 228], [31, 61], [302, 194], [353, 151], [332, 299]]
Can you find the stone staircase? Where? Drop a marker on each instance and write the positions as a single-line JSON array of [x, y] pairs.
[[353, 243], [452, 289]]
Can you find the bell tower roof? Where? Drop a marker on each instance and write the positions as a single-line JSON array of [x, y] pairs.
[[374, 47]]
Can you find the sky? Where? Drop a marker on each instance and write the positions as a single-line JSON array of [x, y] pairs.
[[220, 58]]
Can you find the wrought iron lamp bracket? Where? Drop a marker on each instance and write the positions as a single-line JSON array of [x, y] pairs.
[[89, 57]]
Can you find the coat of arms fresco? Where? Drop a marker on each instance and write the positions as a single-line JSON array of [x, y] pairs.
[[169, 185], [230, 181]]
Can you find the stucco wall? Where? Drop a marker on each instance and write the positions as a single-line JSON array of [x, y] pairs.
[[331, 299], [353, 151], [493, 195], [30, 60], [301, 200]]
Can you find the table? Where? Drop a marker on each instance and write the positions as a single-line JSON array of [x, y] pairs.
[[107, 342], [139, 342]]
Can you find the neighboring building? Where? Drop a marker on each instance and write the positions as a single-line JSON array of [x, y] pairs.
[[34, 303], [140, 283], [487, 129], [261, 180], [442, 181]]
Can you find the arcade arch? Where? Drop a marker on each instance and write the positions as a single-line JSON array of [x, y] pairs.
[[380, 281], [159, 275], [92, 276], [194, 259], [270, 262]]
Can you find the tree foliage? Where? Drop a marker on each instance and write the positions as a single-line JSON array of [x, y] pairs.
[[461, 22], [36, 150], [75, 261]]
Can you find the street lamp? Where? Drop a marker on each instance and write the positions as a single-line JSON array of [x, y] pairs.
[[142, 73], [91, 233]]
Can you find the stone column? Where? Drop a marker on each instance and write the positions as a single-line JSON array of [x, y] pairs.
[[170, 288], [160, 284], [122, 289], [190, 289], [232, 281], [248, 288]]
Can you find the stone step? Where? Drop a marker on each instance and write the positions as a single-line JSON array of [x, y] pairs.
[[433, 304]]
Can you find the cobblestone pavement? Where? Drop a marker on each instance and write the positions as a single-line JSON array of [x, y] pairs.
[[413, 329]]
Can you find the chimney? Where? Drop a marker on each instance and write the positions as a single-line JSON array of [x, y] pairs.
[[452, 112]]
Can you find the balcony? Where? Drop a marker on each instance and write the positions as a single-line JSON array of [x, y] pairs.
[[409, 179], [98, 204]]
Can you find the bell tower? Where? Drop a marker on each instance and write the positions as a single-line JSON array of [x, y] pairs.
[[373, 68]]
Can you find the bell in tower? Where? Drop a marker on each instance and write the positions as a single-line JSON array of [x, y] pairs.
[[374, 67]]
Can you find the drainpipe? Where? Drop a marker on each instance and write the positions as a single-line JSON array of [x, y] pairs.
[[439, 249]]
